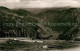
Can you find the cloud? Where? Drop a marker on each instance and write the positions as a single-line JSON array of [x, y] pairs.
[[66, 3], [39, 3], [53, 3], [9, 1], [12, 1]]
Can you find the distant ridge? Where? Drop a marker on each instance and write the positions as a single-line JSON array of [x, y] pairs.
[[38, 10], [5, 8]]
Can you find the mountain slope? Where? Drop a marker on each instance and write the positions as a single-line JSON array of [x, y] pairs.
[[43, 25], [59, 21], [14, 25], [56, 16]]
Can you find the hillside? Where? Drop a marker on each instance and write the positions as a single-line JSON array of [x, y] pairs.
[[63, 16], [43, 25], [14, 25]]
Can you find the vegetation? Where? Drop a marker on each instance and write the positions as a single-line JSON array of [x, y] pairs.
[[55, 17], [62, 21], [15, 45], [11, 45], [12, 25], [23, 12], [22, 23], [66, 45]]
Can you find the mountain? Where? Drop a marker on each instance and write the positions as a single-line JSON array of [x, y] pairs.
[[61, 20], [59, 16], [47, 23], [4, 8], [14, 25], [22, 12]]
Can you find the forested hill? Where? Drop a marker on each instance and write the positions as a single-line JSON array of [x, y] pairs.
[[60, 16], [12, 23]]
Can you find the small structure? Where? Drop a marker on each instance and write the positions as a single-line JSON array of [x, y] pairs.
[[45, 46]]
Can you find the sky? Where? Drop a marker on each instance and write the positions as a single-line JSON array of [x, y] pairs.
[[39, 3]]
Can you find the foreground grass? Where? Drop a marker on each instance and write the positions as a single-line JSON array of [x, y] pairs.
[[11, 44], [14, 45], [66, 45]]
